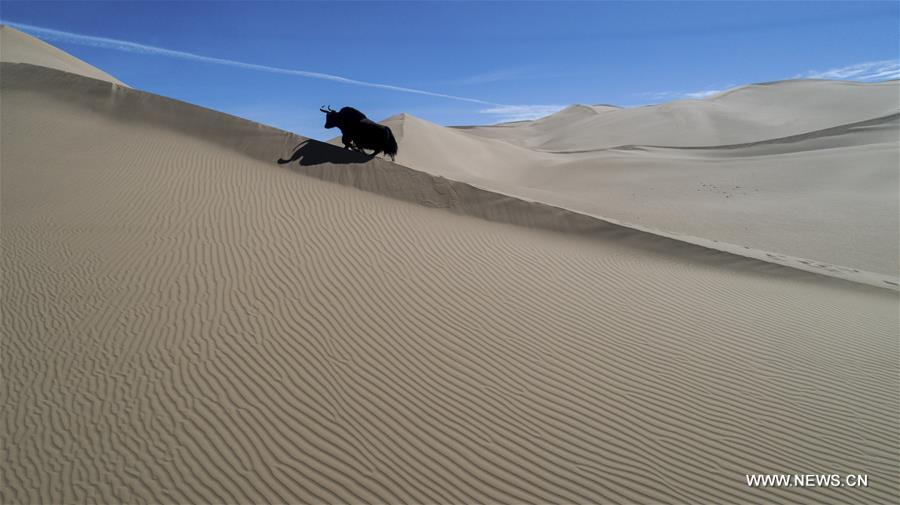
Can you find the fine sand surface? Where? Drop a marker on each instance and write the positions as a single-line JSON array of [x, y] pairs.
[[186, 321], [18, 47], [807, 169]]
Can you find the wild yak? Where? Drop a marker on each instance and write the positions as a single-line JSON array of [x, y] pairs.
[[359, 132]]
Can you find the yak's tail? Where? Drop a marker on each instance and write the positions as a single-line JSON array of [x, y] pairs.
[[390, 147]]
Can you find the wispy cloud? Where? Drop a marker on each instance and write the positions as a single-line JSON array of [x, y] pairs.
[[681, 95], [503, 112], [868, 71], [132, 47], [704, 94], [521, 112]]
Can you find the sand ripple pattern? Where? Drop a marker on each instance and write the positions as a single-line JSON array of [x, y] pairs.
[[184, 323]]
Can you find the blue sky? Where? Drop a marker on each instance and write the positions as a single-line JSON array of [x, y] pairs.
[[495, 61]]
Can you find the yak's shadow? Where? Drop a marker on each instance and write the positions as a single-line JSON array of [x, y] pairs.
[[310, 152]]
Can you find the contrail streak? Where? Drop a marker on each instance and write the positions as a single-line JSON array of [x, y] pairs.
[[132, 47]]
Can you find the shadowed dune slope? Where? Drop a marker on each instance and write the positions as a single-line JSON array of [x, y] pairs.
[[184, 320], [18, 47]]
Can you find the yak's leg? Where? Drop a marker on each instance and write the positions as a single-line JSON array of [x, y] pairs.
[[350, 144]]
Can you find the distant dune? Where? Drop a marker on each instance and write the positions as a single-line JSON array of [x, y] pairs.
[[186, 321], [746, 114], [806, 169]]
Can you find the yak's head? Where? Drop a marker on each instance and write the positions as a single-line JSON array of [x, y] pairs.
[[331, 117]]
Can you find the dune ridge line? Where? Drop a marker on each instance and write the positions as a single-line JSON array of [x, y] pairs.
[[259, 142]]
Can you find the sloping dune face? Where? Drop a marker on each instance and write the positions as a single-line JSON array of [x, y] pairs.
[[186, 321], [18, 47], [746, 114], [806, 169], [457, 155]]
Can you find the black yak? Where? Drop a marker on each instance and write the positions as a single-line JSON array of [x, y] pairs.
[[359, 132]]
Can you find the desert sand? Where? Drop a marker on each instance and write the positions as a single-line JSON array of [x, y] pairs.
[[799, 169], [186, 321]]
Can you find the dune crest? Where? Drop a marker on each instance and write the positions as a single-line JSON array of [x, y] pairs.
[[19, 47], [746, 114]]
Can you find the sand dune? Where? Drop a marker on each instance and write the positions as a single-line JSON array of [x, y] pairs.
[[790, 195], [453, 154], [186, 321], [17, 47], [746, 114]]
